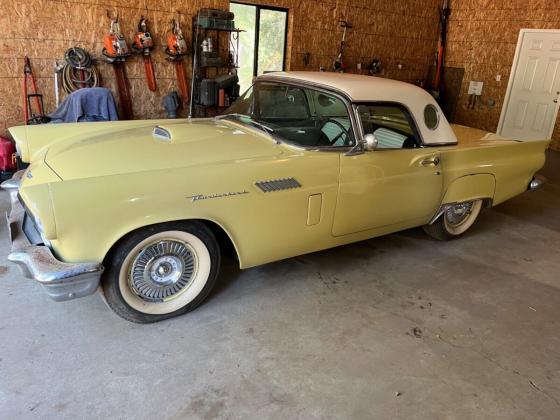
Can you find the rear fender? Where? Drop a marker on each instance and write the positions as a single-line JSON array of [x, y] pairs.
[[470, 187]]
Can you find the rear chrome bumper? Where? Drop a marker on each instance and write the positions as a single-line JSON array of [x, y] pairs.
[[537, 182], [62, 281]]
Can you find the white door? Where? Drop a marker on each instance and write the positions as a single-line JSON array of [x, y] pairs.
[[531, 104]]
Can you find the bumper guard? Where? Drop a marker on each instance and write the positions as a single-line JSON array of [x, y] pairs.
[[537, 182]]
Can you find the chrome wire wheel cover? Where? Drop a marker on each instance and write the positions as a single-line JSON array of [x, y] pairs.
[[459, 213], [162, 270]]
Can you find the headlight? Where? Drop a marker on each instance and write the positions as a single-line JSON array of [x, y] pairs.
[[41, 230], [38, 205]]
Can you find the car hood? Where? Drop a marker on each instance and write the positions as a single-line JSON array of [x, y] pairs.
[[155, 145]]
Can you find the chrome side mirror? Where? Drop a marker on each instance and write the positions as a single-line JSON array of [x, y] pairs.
[[370, 142]]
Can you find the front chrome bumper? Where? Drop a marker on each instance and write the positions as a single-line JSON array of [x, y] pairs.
[[62, 281]]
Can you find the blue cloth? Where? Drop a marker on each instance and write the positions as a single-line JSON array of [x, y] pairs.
[[88, 104]]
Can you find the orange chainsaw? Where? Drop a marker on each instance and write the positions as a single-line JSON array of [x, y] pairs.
[[176, 49], [115, 51], [143, 44]]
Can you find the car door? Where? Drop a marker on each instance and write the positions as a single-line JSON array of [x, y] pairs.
[[398, 182]]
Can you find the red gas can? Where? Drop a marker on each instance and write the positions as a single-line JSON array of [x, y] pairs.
[[7, 158]]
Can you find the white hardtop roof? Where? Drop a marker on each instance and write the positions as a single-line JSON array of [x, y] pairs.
[[360, 88], [357, 87]]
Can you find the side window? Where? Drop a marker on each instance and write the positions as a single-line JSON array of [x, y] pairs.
[[391, 125], [337, 124]]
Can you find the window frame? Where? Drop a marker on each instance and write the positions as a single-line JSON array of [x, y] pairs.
[[258, 8], [350, 109], [407, 113]]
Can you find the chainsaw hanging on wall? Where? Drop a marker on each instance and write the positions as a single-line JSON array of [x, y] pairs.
[[143, 44], [176, 49], [115, 51]]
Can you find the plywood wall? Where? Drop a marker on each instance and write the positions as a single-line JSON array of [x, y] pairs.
[[398, 32], [45, 29], [482, 39]]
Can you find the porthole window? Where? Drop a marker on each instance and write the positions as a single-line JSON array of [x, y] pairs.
[[431, 117]]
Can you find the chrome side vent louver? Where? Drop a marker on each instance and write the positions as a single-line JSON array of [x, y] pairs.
[[161, 134], [278, 184]]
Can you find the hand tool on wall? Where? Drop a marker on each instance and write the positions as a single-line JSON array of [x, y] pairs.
[[338, 64], [375, 67], [57, 70], [176, 49], [115, 51], [30, 115], [443, 20], [143, 44]]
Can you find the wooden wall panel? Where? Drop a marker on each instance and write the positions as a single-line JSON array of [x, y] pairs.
[[45, 29], [401, 31], [482, 39]]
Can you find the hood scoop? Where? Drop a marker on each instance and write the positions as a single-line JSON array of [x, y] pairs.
[[161, 134]]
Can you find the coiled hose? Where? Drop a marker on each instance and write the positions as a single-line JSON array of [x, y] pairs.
[[79, 71]]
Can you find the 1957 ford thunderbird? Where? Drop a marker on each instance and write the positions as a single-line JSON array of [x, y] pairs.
[[301, 162]]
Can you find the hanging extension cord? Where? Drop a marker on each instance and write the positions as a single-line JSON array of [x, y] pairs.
[[79, 71]]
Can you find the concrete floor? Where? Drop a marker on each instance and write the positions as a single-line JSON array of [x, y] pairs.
[[396, 327]]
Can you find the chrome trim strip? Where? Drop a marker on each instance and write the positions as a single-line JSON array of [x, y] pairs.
[[443, 208]]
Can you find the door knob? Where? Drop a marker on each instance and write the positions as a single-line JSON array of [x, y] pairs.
[[433, 161], [555, 101]]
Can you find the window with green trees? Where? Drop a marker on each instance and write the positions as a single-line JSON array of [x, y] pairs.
[[262, 47]]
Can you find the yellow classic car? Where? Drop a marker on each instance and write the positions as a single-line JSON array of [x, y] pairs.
[[303, 161]]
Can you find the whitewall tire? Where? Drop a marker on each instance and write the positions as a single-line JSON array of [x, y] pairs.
[[455, 220], [161, 271]]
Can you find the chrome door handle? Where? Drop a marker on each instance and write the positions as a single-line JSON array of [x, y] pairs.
[[434, 161]]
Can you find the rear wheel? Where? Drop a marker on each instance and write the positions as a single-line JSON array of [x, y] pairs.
[[161, 271], [455, 220]]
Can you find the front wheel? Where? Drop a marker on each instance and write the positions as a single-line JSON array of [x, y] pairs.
[[455, 220], [161, 271]]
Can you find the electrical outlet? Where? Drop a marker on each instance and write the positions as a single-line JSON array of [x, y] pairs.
[[498, 77], [359, 66]]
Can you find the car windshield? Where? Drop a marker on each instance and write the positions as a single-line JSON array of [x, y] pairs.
[[302, 116]]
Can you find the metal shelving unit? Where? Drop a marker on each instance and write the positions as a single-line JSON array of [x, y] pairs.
[[200, 72]]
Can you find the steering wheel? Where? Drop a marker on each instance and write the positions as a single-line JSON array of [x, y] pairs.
[[339, 135]]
